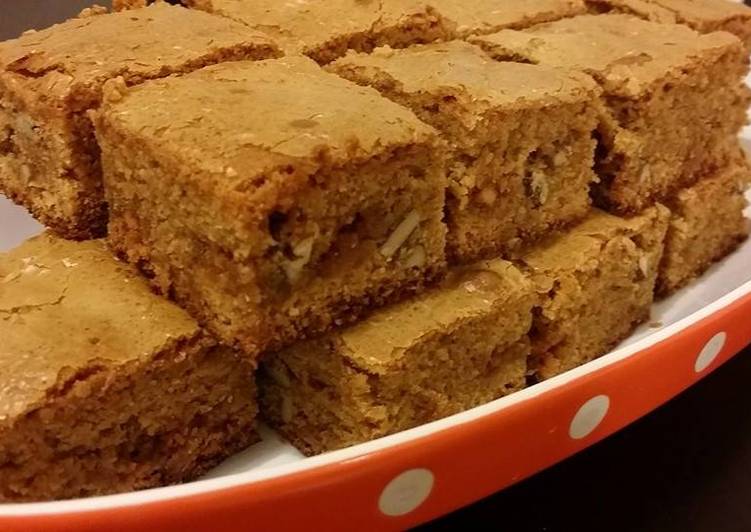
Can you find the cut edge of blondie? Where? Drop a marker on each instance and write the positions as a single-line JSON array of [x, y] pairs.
[[706, 225], [131, 438], [596, 285]]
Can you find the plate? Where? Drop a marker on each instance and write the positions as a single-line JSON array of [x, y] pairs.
[[414, 476]]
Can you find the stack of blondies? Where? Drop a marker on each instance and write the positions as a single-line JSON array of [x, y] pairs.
[[376, 214]]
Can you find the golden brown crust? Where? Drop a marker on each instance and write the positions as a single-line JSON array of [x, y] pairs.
[[452, 348], [104, 386], [629, 57], [472, 75], [377, 344], [83, 53], [596, 284], [657, 79], [702, 15], [261, 122], [645, 9], [47, 290], [317, 28], [323, 200], [707, 224], [50, 78], [520, 136]]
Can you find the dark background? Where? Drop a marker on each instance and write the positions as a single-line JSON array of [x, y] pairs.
[[685, 467]]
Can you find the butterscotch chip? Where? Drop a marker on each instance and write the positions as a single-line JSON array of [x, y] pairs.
[[521, 138], [50, 78], [673, 97], [596, 284], [332, 188], [453, 348], [104, 386]]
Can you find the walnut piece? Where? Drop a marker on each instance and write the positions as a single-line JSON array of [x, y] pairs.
[[400, 235], [644, 265], [416, 258], [303, 252], [539, 188]]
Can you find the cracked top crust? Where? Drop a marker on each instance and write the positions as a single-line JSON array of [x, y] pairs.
[[136, 45], [640, 8], [67, 307], [298, 25], [463, 70], [306, 24], [700, 14], [627, 55], [472, 292], [579, 248], [239, 120], [484, 16]]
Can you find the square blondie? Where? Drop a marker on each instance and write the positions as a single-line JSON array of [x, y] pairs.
[[49, 79], [520, 135], [704, 16], [596, 284], [674, 98], [326, 29], [105, 386], [453, 348], [707, 223], [273, 199]]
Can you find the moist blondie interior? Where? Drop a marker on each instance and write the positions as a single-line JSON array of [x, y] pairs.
[[107, 387], [49, 79], [458, 346], [672, 96], [707, 224], [596, 284], [521, 138], [299, 202]]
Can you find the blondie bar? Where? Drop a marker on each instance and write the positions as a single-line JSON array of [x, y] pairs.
[[49, 160], [453, 348], [707, 223], [596, 284], [704, 16], [674, 98], [521, 138], [272, 199], [105, 387], [326, 29]]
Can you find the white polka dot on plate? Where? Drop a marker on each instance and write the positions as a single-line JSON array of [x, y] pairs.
[[589, 416], [710, 351], [406, 492]]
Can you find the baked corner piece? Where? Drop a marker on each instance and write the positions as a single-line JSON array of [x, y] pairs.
[[596, 284], [326, 29], [106, 387], [49, 160], [675, 98], [520, 135], [273, 199], [702, 15], [707, 224], [451, 349]]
